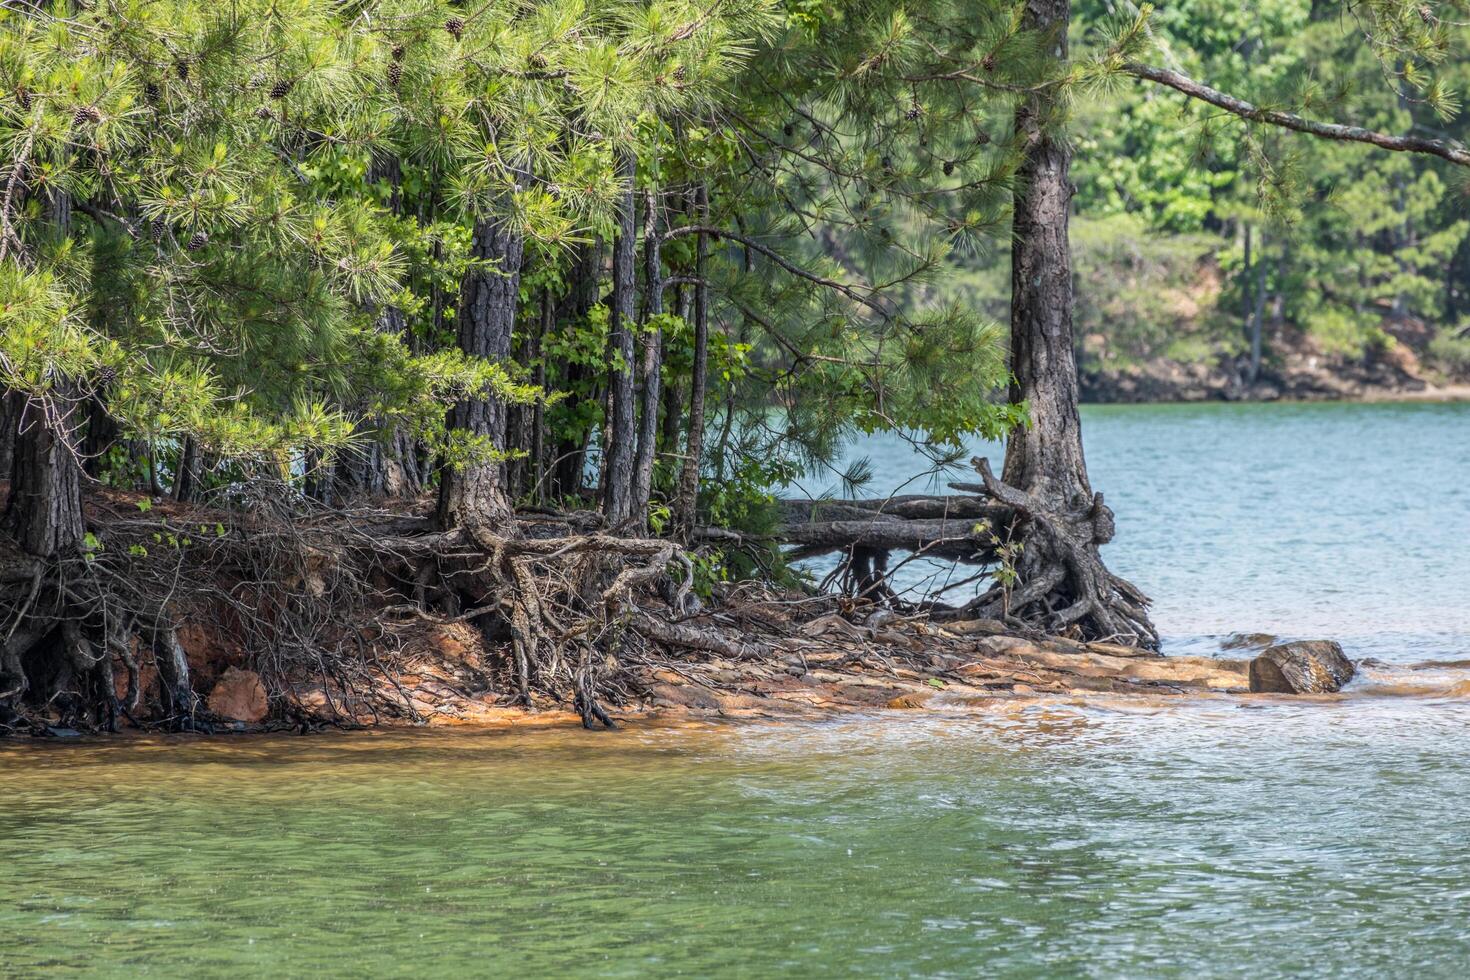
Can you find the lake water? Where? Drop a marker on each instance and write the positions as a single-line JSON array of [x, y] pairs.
[[1202, 838], [1350, 522]]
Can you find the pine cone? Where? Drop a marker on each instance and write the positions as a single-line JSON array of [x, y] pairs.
[[24, 98], [86, 114], [156, 228], [988, 62], [680, 73], [948, 167], [264, 113], [181, 68], [282, 88], [537, 60], [256, 80], [982, 137], [455, 27], [395, 74], [198, 240], [913, 112], [398, 52], [106, 375], [152, 93]]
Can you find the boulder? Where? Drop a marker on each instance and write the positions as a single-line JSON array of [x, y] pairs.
[[239, 696], [1302, 667]]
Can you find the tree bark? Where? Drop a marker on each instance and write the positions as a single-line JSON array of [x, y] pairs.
[[570, 462], [1057, 578], [1451, 150], [186, 474], [687, 500], [618, 454], [11, 404], [1258, 311], [388, 465], [1045, 456], [652, 368], [474, 495], [44, 511]]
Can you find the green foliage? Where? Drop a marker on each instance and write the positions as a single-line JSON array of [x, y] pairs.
[[1353, 236], [1451, 350]]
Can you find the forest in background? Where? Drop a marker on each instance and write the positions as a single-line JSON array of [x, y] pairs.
[[521, 313], [1192, 234]]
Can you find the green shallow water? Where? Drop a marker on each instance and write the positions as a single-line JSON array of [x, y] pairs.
[[1198, 839], [1208, 838]]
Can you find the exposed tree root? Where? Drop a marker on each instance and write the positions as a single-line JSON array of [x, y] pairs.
[[1042, 556], [1058, 580], [65, 637], [307, 595]]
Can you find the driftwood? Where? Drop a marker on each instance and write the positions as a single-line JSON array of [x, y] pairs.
[[1044, 551]]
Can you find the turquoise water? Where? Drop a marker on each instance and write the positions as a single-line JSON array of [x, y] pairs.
[[1345, 521], [1201, 838]]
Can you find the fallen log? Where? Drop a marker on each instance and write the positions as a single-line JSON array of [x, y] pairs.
[[943, 526]]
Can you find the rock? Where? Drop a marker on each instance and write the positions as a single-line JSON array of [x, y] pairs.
[[1247, 641], [914, 699], [239, 696], [1303, 667]]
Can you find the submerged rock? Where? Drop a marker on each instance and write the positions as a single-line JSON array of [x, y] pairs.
[[239, 696], [1247, 641], [1302, 667]]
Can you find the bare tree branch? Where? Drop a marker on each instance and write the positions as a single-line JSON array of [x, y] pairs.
[[1450, 150]]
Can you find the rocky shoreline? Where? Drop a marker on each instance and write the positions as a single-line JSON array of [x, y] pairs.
[[797, 668], [1298, 370]]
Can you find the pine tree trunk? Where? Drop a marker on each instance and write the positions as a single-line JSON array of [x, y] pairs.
[[11, 403], [388, 465], [186, 474], [1258, 312], [687, 500], [570, 461], [44, 512], [1060, 581], [619, 450], [1045, 456], [474, 496], [538, 411], [674, 391], [101, 434], [652, 366]]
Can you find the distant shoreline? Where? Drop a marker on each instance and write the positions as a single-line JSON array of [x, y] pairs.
[[1432, 395]]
